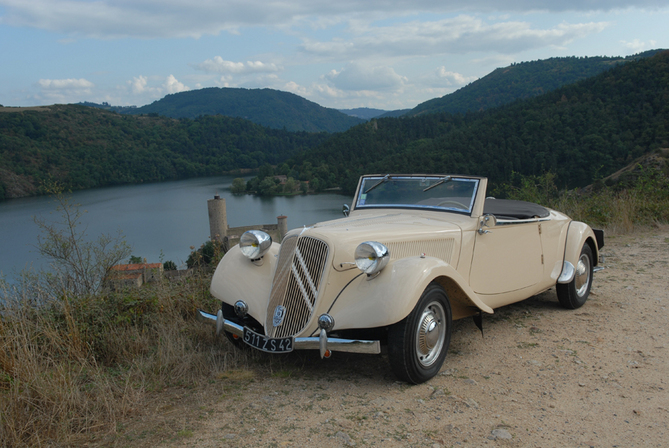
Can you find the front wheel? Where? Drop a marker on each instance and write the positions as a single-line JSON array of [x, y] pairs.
[[573, 295], [417, 345]]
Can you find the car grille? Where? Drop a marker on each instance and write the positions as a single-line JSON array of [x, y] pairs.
[[296, 284]]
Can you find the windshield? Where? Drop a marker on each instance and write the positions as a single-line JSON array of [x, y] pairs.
[[426, 192]]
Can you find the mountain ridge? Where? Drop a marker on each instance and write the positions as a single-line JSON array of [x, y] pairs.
[[278, 109], [522, 80], [275, 109], [581, 132]]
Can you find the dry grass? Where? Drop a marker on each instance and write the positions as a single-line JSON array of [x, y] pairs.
[[619, 209], [71, 370], [618, 212]]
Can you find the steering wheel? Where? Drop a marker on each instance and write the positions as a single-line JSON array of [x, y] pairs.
[[453, 203]]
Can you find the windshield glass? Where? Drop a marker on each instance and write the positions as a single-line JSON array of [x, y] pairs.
[[428, 192]]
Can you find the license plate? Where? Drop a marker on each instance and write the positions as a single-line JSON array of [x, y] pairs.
[[271, 345]]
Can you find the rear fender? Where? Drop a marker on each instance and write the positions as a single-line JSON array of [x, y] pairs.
[[238, 278], [392, 295]]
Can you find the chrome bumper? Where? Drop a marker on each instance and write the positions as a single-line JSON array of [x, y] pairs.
[[321, 343]]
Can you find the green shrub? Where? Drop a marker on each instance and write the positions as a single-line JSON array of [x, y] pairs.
[[640, 199], [135, 260], [210, 253]]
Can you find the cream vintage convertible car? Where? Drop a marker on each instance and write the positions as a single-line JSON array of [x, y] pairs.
[[414, 253]]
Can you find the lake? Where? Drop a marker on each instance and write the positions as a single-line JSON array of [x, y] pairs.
[[161, 221]]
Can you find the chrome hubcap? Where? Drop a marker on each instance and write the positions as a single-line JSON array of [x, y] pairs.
[[430, 334], [582, 278]]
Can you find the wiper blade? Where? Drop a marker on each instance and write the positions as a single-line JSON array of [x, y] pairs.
[[443, 180], [385, 179]]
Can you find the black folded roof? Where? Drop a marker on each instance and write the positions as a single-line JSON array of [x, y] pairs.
[[508, 209]]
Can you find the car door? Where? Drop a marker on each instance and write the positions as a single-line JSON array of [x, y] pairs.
[[507, 258]]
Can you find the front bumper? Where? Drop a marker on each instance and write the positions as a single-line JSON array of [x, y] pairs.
[[322, 343]]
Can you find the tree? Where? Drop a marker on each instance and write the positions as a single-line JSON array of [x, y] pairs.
[[267, 187], [290, 186], [283, 169], [79, 266], [238, 186], [209, 253]]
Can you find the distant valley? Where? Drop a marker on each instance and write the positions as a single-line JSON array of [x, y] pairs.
[[582, 118]]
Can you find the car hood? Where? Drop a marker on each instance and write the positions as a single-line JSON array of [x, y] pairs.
[[405, 235]]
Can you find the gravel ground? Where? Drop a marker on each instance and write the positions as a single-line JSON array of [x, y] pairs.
[[540, 376]]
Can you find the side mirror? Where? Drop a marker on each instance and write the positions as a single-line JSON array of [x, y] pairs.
[[487, 221], [346, 210]]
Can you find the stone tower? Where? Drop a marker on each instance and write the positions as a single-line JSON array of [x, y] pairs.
[[218, 218]]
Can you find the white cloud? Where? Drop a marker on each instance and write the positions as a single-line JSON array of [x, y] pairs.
[[64, 90], [295, 88], [637, 46], [452, 79], [225, 81], [459, 35], [184, 18], [386, 51], [146, 88], [138, 84], [172, 85], [219, 65], [65, 84], [359, 77], [327, 91], [324, 93]]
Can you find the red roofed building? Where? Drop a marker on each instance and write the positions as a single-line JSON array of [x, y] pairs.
[[135, 274]]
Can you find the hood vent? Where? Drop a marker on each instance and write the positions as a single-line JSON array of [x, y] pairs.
[[442, 249]]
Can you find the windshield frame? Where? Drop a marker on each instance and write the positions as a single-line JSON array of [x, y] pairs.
[[430, 184]]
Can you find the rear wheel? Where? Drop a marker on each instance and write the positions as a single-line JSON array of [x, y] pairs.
[[573, 295], [417, 345]]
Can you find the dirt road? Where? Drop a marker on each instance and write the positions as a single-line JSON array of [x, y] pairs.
[[541, 376]]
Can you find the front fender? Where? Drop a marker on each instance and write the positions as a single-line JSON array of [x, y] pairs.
[[238, 278], [393, 294], [579, 234]]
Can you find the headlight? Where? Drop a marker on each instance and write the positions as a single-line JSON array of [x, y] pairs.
[[371, 257], [254, 243]]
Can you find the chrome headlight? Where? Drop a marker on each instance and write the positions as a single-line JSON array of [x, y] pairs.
[[254, 243], [371, 257]]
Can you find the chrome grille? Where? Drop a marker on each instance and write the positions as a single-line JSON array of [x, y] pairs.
[[296, 284]]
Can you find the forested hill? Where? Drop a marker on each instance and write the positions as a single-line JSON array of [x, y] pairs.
[[267, 107], [521, 81], [580, 132], [83, 147]]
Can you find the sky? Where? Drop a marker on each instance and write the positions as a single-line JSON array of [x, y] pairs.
[[343, 54]]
